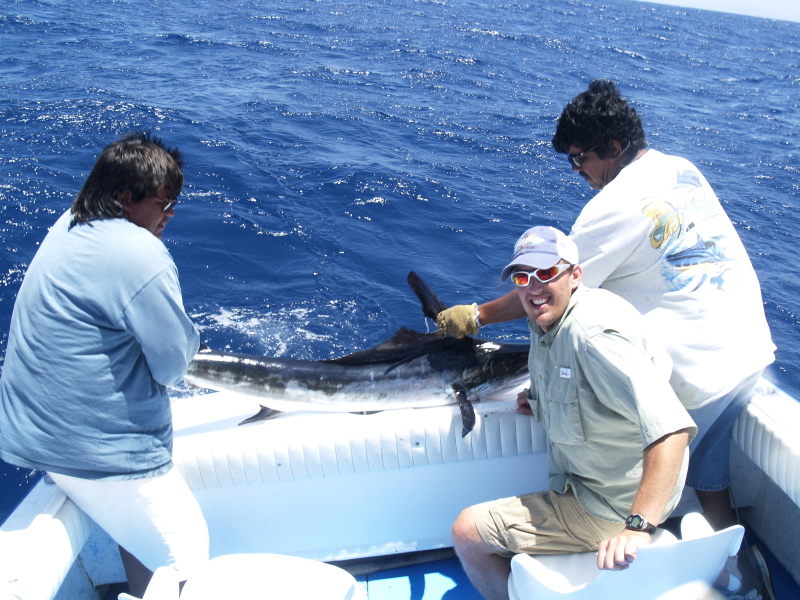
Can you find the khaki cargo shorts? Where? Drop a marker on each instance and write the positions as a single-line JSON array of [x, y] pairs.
[[540, 523]]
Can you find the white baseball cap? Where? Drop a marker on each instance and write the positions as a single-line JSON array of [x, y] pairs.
[[541, 248]]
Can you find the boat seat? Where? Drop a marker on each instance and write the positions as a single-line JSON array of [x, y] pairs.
[[256, 577], [664, 565], [696, 590]]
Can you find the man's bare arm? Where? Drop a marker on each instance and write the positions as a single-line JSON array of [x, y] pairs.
[[662, 467], [500, 310]]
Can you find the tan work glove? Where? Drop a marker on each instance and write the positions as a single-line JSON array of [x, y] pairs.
[[458, 321]]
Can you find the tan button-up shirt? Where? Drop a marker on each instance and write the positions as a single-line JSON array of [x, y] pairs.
[[600, 386]]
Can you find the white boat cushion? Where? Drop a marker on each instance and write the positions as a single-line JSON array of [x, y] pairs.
[[212, 452], [328, 477], [767, 433]]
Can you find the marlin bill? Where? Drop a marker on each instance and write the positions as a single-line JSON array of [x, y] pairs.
[[409, 370]]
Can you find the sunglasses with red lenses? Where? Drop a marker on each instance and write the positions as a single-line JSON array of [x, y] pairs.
[[523, 278]]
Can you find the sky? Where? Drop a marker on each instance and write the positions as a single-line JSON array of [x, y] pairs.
[[786, 10]]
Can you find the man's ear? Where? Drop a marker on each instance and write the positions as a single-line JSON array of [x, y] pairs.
[[124, 199], [577, 275], [613, 149]]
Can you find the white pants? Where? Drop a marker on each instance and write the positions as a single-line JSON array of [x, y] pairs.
[[156, 519]]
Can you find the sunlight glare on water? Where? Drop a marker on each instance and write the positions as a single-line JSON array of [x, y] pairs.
[[333, 146]]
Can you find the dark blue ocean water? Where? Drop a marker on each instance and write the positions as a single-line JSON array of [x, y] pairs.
[[332, 146]]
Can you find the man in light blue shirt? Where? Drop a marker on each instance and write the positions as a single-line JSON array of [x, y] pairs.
[[97, 334]]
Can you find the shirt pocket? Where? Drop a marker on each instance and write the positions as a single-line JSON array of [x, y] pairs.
[[565, 425]]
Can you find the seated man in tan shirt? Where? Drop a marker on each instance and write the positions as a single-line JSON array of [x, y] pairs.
[[618, 435]]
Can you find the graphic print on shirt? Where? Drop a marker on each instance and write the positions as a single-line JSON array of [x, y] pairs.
[[689, 258]]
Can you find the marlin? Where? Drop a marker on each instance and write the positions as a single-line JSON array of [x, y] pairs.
[[409, 370]]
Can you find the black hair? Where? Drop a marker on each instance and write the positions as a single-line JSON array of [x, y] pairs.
[[138, 162], [595, 117]]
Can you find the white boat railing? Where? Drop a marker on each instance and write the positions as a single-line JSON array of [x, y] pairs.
[[39, 543]]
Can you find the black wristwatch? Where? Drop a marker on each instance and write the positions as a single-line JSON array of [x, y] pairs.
[[637, 522]]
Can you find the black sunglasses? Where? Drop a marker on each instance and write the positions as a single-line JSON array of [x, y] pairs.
[[577, 159], [169, 203]]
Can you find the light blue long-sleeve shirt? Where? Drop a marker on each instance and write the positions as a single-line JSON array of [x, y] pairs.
[[97, 333]]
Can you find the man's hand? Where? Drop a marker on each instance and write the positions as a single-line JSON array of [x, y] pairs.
[[619, 552], [458, 321], [662, 465], [523, 404]]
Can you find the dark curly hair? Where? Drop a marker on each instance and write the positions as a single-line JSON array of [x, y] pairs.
[[138, 162], [597, 116]]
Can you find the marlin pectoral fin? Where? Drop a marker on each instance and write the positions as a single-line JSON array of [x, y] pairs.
[[262, 415], [467, 411]]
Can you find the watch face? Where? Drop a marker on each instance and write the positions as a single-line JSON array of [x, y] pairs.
[[636, 521]]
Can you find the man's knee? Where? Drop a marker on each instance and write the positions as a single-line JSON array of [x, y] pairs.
[[468, 542], [464, 523], [460, 525], [464, 530]]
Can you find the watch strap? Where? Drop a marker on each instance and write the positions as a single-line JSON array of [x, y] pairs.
[[637, 522]]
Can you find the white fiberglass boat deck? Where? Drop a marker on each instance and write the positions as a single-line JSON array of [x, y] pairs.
[[342, 487]]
